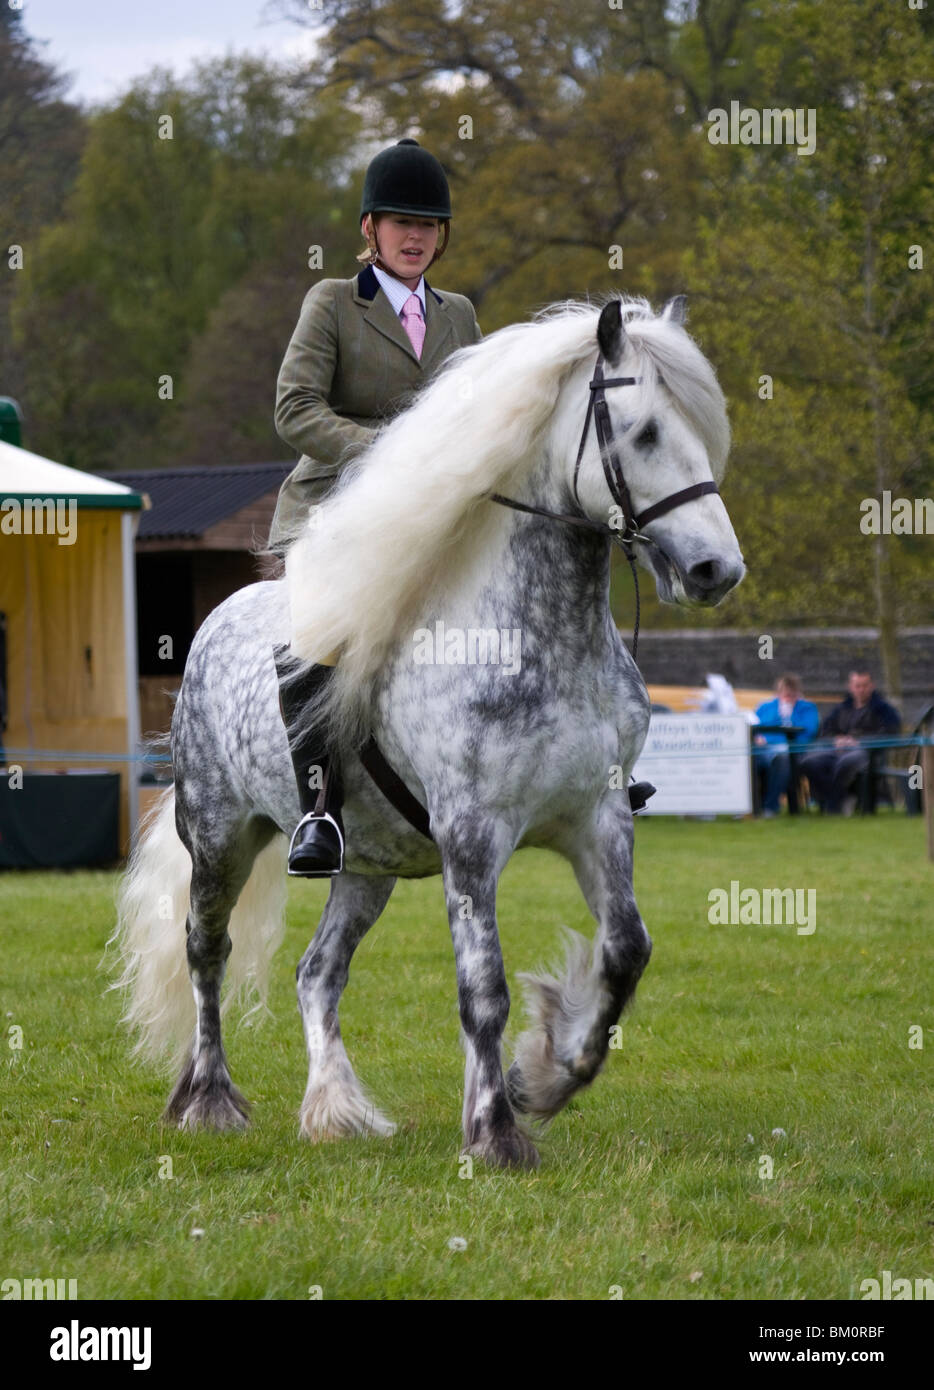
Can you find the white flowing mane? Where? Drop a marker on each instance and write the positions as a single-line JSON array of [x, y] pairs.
[[376, 545]]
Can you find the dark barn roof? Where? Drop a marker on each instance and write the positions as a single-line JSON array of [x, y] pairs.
[[186, 502]]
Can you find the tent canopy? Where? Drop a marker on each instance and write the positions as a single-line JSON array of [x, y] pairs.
[[27, 477], [68, 604]]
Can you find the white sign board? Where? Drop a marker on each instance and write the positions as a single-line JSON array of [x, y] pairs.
[[699, 763]]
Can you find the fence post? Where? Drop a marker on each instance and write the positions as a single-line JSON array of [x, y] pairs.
[[927, 791]]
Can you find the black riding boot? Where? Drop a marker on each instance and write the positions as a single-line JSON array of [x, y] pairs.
[[639, 793], [317, 848]]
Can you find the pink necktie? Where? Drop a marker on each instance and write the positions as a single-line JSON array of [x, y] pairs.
[[413, 323]]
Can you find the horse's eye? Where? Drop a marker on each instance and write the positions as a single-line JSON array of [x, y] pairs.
[[648, 436]]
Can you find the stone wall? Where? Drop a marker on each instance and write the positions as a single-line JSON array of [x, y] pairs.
[[822, 657]]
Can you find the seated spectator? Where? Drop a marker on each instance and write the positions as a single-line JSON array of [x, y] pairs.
[[772, 753], [862, 715], [718, 698]]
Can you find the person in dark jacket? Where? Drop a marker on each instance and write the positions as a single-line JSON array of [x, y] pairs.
[[862, 715]]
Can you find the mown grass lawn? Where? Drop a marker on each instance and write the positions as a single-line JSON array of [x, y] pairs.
[[745, 1042]]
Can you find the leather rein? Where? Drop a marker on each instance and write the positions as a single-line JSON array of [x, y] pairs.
[[598, 410]]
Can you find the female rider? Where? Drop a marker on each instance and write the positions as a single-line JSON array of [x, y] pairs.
[[361, 350]]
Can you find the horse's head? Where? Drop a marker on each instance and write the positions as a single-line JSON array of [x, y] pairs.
[[655, 449]]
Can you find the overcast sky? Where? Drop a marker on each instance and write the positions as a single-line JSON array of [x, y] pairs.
[[105, 44]]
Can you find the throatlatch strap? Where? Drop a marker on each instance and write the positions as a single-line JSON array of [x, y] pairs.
[[394, 789]]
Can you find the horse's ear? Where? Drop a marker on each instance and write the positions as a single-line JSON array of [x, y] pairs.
[[611, 335], [676, 310]]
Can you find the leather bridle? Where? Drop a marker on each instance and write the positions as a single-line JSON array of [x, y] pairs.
[[598, 409], [613, 469]]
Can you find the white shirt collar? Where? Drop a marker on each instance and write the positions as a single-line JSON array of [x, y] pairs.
[[397, 293]]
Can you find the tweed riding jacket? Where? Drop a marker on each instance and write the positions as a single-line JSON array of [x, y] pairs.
[[350, 367]]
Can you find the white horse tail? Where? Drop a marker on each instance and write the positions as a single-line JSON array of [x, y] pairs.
[[152, 909]]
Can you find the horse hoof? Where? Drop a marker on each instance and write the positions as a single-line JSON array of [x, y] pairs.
[[508, 1148], [218, 1112], [324, 1117]]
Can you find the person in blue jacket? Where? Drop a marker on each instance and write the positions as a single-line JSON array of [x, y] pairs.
[[772, 752]]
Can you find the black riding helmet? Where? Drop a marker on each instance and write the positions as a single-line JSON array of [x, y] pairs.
[[406, 178]]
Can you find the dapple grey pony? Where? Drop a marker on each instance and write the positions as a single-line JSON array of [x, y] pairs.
[[475, 644]]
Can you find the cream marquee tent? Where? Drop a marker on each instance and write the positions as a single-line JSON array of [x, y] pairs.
[[68, 594]]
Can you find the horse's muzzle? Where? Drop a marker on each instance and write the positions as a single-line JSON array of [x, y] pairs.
[[708, 581]]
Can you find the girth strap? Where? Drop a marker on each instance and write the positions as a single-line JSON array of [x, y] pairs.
[[394, 789]]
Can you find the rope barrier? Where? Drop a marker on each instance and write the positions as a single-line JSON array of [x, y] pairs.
[[70, 755], [165, 759]]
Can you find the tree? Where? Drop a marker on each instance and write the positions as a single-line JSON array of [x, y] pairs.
[[225, 413], [183, 190], [41, 136], [807, 273], [564, 145]]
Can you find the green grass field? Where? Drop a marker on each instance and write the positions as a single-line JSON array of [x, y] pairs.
[[650, 1181]]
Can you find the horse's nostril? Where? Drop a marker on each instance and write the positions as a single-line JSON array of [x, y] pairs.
[[706, 575]]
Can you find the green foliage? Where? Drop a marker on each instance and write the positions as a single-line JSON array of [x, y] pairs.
[[185, 191], [567, 132], [802, 274], [41, 137]]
